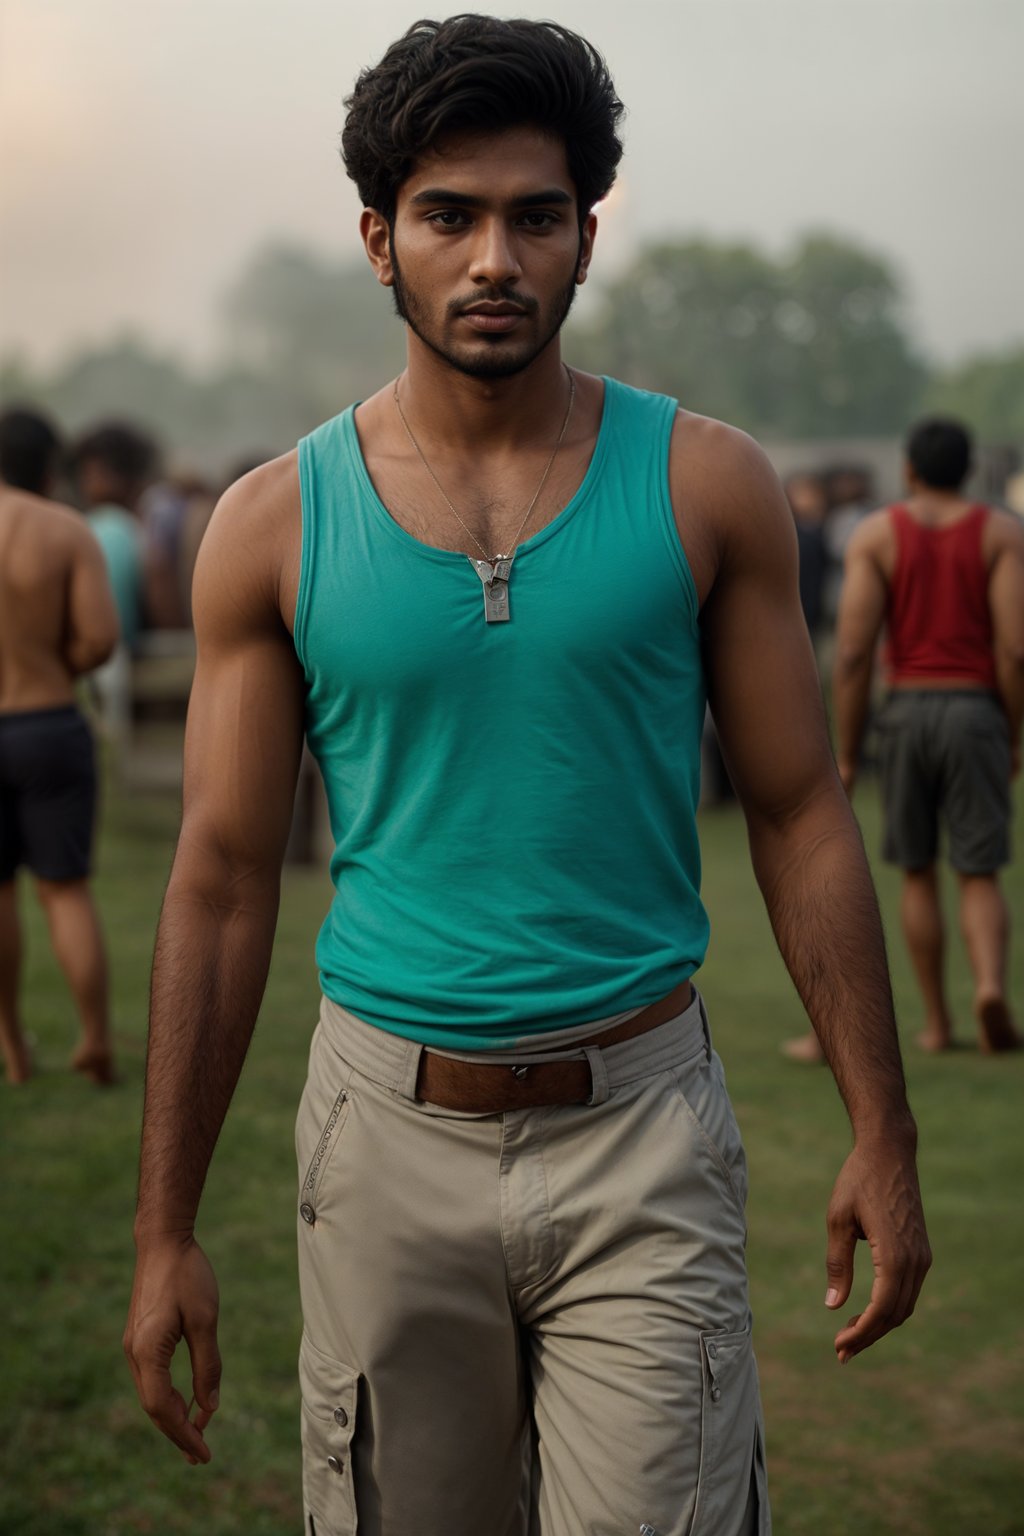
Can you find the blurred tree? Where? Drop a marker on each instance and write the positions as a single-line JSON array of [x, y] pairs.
[[813, 345], [18, 383], [693, 320], [853, 370], [322, 329], [987, 392], [126, 377]]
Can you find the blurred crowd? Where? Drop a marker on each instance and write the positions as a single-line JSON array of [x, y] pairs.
[[827, 505], [147, 513]]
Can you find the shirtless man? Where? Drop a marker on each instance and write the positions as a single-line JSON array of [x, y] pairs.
[[945, 577], [493, 594], [57, 621]]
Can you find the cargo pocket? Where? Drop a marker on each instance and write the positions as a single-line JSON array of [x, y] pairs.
[[732, 1485], [309, 1191], [330, 1392]]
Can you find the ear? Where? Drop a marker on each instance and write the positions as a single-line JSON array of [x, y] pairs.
[[376, 236], [586, 247]]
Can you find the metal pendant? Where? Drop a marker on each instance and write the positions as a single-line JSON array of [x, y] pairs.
[[494, 576]]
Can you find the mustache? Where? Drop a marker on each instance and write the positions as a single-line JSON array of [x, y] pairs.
[[498, 295]]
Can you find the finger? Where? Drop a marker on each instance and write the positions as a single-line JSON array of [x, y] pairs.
[[842, 1243], [917, 1279], [912, 1281], [171, 1416], [167, 1409], [878, 1317], [206, 1369], [893, 1299]]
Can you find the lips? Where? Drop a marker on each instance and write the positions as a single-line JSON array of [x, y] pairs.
[[483, 308], [493, 317]]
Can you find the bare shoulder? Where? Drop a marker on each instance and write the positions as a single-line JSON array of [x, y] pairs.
[[873, 536], [1004, 531], [721, 472], [727, 497], [250, 553], [61, 527]]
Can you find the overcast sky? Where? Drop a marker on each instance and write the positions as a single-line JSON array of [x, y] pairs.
[[147, 147]]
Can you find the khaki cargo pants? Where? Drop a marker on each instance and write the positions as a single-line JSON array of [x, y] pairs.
[[531, 1322]]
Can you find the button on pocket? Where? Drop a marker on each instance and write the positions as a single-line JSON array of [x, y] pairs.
[[330, 1393], [732, 1438], [312, 1183]]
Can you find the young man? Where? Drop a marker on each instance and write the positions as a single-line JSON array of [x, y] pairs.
[[57, 620], [486, 591], [946, 577]]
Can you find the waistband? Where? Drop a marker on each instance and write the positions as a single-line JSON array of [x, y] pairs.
[[941, 691], [52, 712], [394, 1062]]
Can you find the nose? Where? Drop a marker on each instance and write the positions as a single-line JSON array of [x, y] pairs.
[[495, 258]]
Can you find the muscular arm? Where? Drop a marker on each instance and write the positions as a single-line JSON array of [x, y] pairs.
[[861, 615], [810, 864], [1006, 604], [213, 947]]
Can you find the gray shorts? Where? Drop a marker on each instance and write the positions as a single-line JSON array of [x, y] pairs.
[[945, 755], [531, 1321]]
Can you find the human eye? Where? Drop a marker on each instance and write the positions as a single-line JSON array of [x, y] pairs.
[[448, 218], [539, 219]]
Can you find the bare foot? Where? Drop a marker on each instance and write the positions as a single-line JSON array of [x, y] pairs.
[[803, 1048], [935, 1040], [995, 1025], [18, 1063], [96, 1063]]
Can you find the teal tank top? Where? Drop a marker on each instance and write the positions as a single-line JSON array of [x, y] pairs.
[[513, 805]]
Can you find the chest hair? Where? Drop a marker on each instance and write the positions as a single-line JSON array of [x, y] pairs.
[[494, 514]]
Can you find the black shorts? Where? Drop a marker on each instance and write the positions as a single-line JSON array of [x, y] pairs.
[[47, 793], [945, 755]]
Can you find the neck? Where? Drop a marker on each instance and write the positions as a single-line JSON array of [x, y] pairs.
[[463, 412], [938, 500]]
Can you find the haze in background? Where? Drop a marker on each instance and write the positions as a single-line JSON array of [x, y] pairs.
[[147, 149]]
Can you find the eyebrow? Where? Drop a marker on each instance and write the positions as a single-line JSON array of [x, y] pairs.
[[552, 197]]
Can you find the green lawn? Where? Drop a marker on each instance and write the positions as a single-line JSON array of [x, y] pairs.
[[922, 1436]]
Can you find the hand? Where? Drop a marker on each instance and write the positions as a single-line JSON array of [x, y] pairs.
[[175, 1297], [876, 1197]]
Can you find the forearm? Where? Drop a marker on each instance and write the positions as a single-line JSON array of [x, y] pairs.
[[817, 887], [210, 968], [851, 693], [83, 655]]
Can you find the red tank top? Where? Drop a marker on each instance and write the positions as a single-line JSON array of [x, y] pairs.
[[938, 616]]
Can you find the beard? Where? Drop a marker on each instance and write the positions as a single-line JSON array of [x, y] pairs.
[[486, 360]]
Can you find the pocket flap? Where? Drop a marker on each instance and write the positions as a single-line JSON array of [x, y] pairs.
[[330, 1395], [726, 1355], [731, 1473], [329, 1388]]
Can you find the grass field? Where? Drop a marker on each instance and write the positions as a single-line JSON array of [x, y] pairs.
[[923, 1436]]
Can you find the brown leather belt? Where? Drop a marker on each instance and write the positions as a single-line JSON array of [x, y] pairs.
[[489, 1088]]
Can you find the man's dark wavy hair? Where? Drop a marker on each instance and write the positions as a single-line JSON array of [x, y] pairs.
[[480, 74]]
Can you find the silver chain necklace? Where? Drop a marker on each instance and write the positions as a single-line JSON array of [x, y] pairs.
[[494, 571]]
